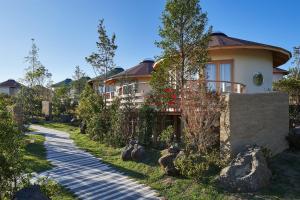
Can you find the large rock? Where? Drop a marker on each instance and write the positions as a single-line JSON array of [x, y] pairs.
[[33, 193], [167, 161], [248, 172], [126, 153], [138, 153]]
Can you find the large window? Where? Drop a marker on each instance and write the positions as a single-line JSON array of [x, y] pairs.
[[211, 75], [219, 75], [130, 88]]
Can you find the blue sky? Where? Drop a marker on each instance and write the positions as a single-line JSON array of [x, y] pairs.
[[65, 30]]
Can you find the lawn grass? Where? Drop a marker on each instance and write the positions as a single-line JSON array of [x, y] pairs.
[[35, 160], [285, 183], [35, 154]]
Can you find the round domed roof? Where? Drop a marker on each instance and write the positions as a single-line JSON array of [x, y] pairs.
[[220, 41]]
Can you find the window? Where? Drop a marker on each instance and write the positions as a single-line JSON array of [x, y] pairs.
[[211, 75], [129, 88], [219, 75], [101, 89]]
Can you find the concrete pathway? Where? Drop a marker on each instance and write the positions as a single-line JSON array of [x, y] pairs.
[[85, 175]]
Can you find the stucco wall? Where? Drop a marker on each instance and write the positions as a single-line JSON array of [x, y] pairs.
[[246, 64], [260, 119]]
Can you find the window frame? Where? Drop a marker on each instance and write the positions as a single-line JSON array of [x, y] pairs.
[[218, 63]]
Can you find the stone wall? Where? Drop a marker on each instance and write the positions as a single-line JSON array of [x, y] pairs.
[[47, 108], [261, 119]]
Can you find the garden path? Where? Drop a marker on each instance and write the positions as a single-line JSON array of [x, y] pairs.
[[85, 175]]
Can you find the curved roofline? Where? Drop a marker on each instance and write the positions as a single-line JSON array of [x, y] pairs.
[[125, 77], [278, 51]]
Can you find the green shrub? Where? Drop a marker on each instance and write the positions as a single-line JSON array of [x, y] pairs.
[[98, 126], [52, 189], [89, 105], [116, 135], [146, 124], [198, 166], [166, 136], [11, 159]]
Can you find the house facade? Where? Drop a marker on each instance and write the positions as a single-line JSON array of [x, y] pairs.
[[135, 79], [236, 66], [10, 87], [97, 83]]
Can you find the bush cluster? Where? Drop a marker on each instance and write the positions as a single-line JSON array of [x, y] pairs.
[[11, 158], [115, 124], [199, 166]]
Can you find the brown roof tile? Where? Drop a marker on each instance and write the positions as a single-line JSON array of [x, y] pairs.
[[143, 69], [221, 41], [10, 83]]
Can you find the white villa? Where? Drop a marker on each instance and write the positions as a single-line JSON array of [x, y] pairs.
[[237, 66]]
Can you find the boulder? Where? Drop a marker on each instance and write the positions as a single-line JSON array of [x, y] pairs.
[[167, 161], [248, 172], [126, 153], [138, 153], [33, 192]]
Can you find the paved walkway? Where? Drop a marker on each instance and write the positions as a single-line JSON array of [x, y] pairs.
[[85, 175]]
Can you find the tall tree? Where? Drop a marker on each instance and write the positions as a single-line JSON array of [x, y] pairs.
[[184, 39], [37, 77], [79, 81], [295, 69], [36, 72], [103, 60]]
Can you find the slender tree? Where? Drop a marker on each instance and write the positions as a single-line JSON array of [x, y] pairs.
[[79, 81], [184, 39], [36, 72], [37, 77], [103, 60], [295, 69]]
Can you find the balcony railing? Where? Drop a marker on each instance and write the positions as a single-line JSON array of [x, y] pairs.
[[220, 87], [225, 86]]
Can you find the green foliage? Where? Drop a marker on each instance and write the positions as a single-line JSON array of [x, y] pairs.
[[35, 153], [36, 73], [167, 135], [30, 101], [103, 60], [11, 163], [79, 82], [294, 71], [99, 125], [161, 84], [199, 167], [185, 38], [146, 124], [92, 111], [62, 103], [289, 85], [53, 190], [116, 136], [90, 104]]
